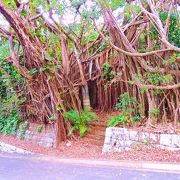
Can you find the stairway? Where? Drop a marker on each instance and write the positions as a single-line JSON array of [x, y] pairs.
[[96, 133]]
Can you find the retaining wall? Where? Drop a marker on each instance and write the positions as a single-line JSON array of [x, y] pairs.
[[119, 139], [45, 138]]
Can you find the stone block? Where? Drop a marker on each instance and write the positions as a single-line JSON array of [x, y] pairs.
[[106, 148], [108, 132], [120, 139], [143, 136], [120, 144], [168, 148], [119, 130], [127, 149], [120, 149], [165, 139], [107, 140], [153, 138], [128, 143], [127, 135], [133, 135], [175, 141]]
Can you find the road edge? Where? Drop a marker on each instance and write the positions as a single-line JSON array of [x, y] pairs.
[[141, 165]]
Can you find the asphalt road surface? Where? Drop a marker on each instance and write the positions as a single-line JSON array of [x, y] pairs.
[[16, 167]]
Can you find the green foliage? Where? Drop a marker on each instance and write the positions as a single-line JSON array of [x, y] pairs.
[[24, 13], [33, 71], [124, 103], [39, 128], [80, 120], [145, 142], [108, 73], [116, 3], [174, 28], [154, 112], [171, 60], [9, 123], [158, 92], [157, 78], [10, 3], [143, 89], [35, 3], [117, 120], [52, 118], [23, 128], [129, 105], [154, 78], [131, 9], [10, 116], [153, 33]]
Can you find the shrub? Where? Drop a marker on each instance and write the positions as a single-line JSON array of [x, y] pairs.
[[10, 99], [117, 120], [129, 105], [9, 124], [80, 120]]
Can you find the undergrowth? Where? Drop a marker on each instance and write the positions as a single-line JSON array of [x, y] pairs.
[[131, 111], [80, 121], [10, 81], [9, 123]]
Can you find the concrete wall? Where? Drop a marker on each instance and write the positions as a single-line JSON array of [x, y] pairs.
[[119, 139], [45, 138]]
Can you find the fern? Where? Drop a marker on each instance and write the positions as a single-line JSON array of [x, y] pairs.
[[80, 120]]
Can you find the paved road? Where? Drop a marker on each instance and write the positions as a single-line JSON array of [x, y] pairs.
[[15, 167]]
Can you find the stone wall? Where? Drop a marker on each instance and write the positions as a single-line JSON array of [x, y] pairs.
[[45, 138], [119, 139]]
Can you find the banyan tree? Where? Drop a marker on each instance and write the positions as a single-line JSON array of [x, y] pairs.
[[110, 48]]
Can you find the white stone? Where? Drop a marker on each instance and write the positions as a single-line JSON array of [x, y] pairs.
[[119, 144], [175, 141], [128, 143], [68, 144], [165, 139], [127, 149], [119, 139], [120, 149], [133, 135], [108, 132], [106, 148], [143, 137], [168, 148], [107, 140], [153, 138]]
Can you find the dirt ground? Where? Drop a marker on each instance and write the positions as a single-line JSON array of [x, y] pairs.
[[84, 148]]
